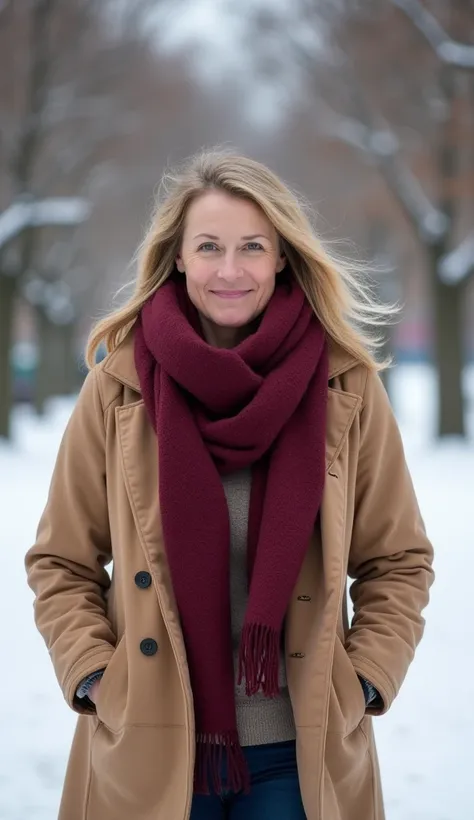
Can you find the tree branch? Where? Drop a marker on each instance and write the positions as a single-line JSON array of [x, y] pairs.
[[81, 156], [31, 131], [369, 134], [449, 51], [381, 147], [458, 265], [25, 214]]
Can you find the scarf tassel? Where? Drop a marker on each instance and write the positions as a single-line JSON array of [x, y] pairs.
[[221, 762], [259, 657]]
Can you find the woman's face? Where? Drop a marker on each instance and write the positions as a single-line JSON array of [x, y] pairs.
[[230, 257]]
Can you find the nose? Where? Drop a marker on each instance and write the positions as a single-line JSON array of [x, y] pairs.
[[229, 269]]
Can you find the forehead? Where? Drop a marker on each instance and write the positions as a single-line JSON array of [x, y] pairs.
[[218, 212]]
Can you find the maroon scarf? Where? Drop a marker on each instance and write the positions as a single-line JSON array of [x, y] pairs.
[[262, 403]]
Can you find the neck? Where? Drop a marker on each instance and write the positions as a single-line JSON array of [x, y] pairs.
[[226, 337]]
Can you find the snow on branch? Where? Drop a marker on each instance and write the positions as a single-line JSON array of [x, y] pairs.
[[35, 214], [449, 51], [382, 148], [459, 263]]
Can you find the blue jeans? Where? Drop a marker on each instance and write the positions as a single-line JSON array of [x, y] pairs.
[[274, 791]]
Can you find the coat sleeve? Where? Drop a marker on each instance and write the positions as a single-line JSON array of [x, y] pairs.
[[66, 565], [390, 555]]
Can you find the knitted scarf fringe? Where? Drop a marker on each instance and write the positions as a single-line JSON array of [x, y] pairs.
[[220, 762], [259, 659]]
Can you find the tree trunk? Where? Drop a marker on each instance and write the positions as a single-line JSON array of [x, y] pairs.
[[49, 362], [69, 381], [449, 358], [7, 306], [57, 373]]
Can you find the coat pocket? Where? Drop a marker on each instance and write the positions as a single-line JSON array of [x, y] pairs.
[[347, 701], [112, 693], [348, 784], [140, 773]]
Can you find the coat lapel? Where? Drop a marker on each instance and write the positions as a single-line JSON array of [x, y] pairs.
[[321, 579], [341, 410], [139, 453]]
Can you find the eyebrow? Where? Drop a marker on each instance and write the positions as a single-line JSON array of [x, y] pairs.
[[246, 238]]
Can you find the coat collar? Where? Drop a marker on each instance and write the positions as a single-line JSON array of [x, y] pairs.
[[120, 364]]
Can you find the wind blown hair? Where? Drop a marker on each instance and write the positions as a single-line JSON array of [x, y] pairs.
[[337, 289]]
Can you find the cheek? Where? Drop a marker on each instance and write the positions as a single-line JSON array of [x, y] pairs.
[[198, 271], [265, 276], [197, 278]]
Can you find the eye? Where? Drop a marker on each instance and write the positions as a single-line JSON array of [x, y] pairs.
[[256, 246], [207, 246]]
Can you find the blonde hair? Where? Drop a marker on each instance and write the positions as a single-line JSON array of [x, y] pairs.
[[343, 302]]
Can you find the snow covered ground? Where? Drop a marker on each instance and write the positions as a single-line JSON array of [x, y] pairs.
[[425, 741]]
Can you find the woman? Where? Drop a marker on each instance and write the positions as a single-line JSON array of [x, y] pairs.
[[236, 456]]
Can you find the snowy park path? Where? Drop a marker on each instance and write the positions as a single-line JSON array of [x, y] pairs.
[[425, 741]]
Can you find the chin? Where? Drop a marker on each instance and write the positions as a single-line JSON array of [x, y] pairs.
[[235, 323], [230, 319]]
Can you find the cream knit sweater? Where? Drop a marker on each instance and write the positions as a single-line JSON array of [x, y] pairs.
[[259, 719]]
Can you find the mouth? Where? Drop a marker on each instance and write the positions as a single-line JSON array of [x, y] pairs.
[[230, 294]]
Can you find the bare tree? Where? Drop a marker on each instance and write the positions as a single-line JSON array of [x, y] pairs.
[[64, 105], [388, 81], [434, 200]]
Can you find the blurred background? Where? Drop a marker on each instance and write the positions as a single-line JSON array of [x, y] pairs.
[[367, 108]]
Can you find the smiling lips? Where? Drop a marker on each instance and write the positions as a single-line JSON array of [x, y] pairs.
[[230, 294]]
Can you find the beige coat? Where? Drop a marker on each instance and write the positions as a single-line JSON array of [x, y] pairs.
[[134, 758]]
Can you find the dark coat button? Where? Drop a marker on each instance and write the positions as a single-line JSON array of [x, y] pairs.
[[143, 579], [148, 646], [297, 655]]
